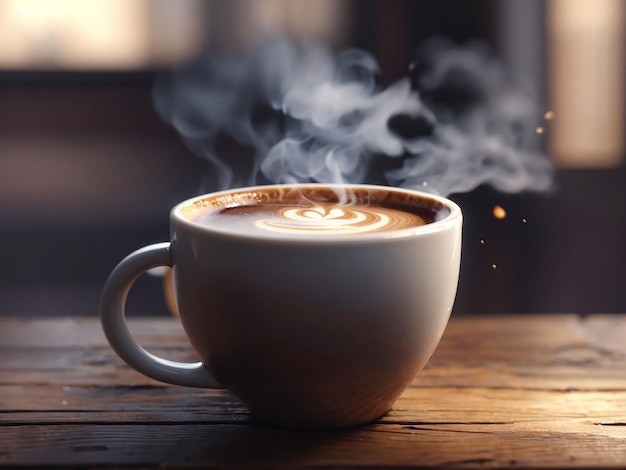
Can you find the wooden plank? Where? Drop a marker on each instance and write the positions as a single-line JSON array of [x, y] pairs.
[[583, 367], [484, 405], [518, 337], [85, 332], [76, 366], [161, 400], [544, 444], [536, 340], [434, 405], [607, 331]]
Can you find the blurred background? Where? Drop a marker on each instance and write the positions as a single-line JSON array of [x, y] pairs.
[[88, 171]]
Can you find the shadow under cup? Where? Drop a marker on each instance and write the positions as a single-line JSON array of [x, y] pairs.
[[311, 330]]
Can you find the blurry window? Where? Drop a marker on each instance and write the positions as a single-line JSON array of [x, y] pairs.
[[98, 34]]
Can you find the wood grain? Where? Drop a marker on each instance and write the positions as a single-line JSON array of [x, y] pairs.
[[502, 391]]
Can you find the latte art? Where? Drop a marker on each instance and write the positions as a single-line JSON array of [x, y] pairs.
[[299, 218], [337, 220]]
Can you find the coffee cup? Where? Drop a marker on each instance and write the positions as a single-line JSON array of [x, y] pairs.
[[315, 304]]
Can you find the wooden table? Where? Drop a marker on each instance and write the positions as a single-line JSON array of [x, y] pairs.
[[507, 391]]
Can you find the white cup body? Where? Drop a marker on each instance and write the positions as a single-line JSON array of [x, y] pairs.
[[316, 332]]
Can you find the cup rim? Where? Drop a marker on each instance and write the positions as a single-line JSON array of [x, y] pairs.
[[450, 220]]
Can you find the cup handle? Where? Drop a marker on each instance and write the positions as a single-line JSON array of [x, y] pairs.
[[113, 319]]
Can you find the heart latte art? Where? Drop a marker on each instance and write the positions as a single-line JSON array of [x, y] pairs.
[[336, 220], [317, 215]]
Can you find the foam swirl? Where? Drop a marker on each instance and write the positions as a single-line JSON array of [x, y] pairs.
[[335, 220]]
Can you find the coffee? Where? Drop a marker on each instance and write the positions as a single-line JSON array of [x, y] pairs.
[[316, 211]]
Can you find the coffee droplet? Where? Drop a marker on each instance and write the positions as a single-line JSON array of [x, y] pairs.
[[499, 212], [482, 242], [493, 266], [549, 116], [539, 130], [524, 221], [425, 183]]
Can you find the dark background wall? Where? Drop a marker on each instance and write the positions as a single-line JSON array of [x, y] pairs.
[[88, 173]]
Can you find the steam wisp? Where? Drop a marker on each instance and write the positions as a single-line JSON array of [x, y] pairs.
[[456, 122]]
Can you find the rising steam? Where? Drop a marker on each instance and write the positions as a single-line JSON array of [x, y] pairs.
[[306, 115]]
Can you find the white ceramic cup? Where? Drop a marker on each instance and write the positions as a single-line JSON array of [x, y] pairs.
[[312, 331]]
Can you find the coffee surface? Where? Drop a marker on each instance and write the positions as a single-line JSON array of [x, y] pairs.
[[316, 213]]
